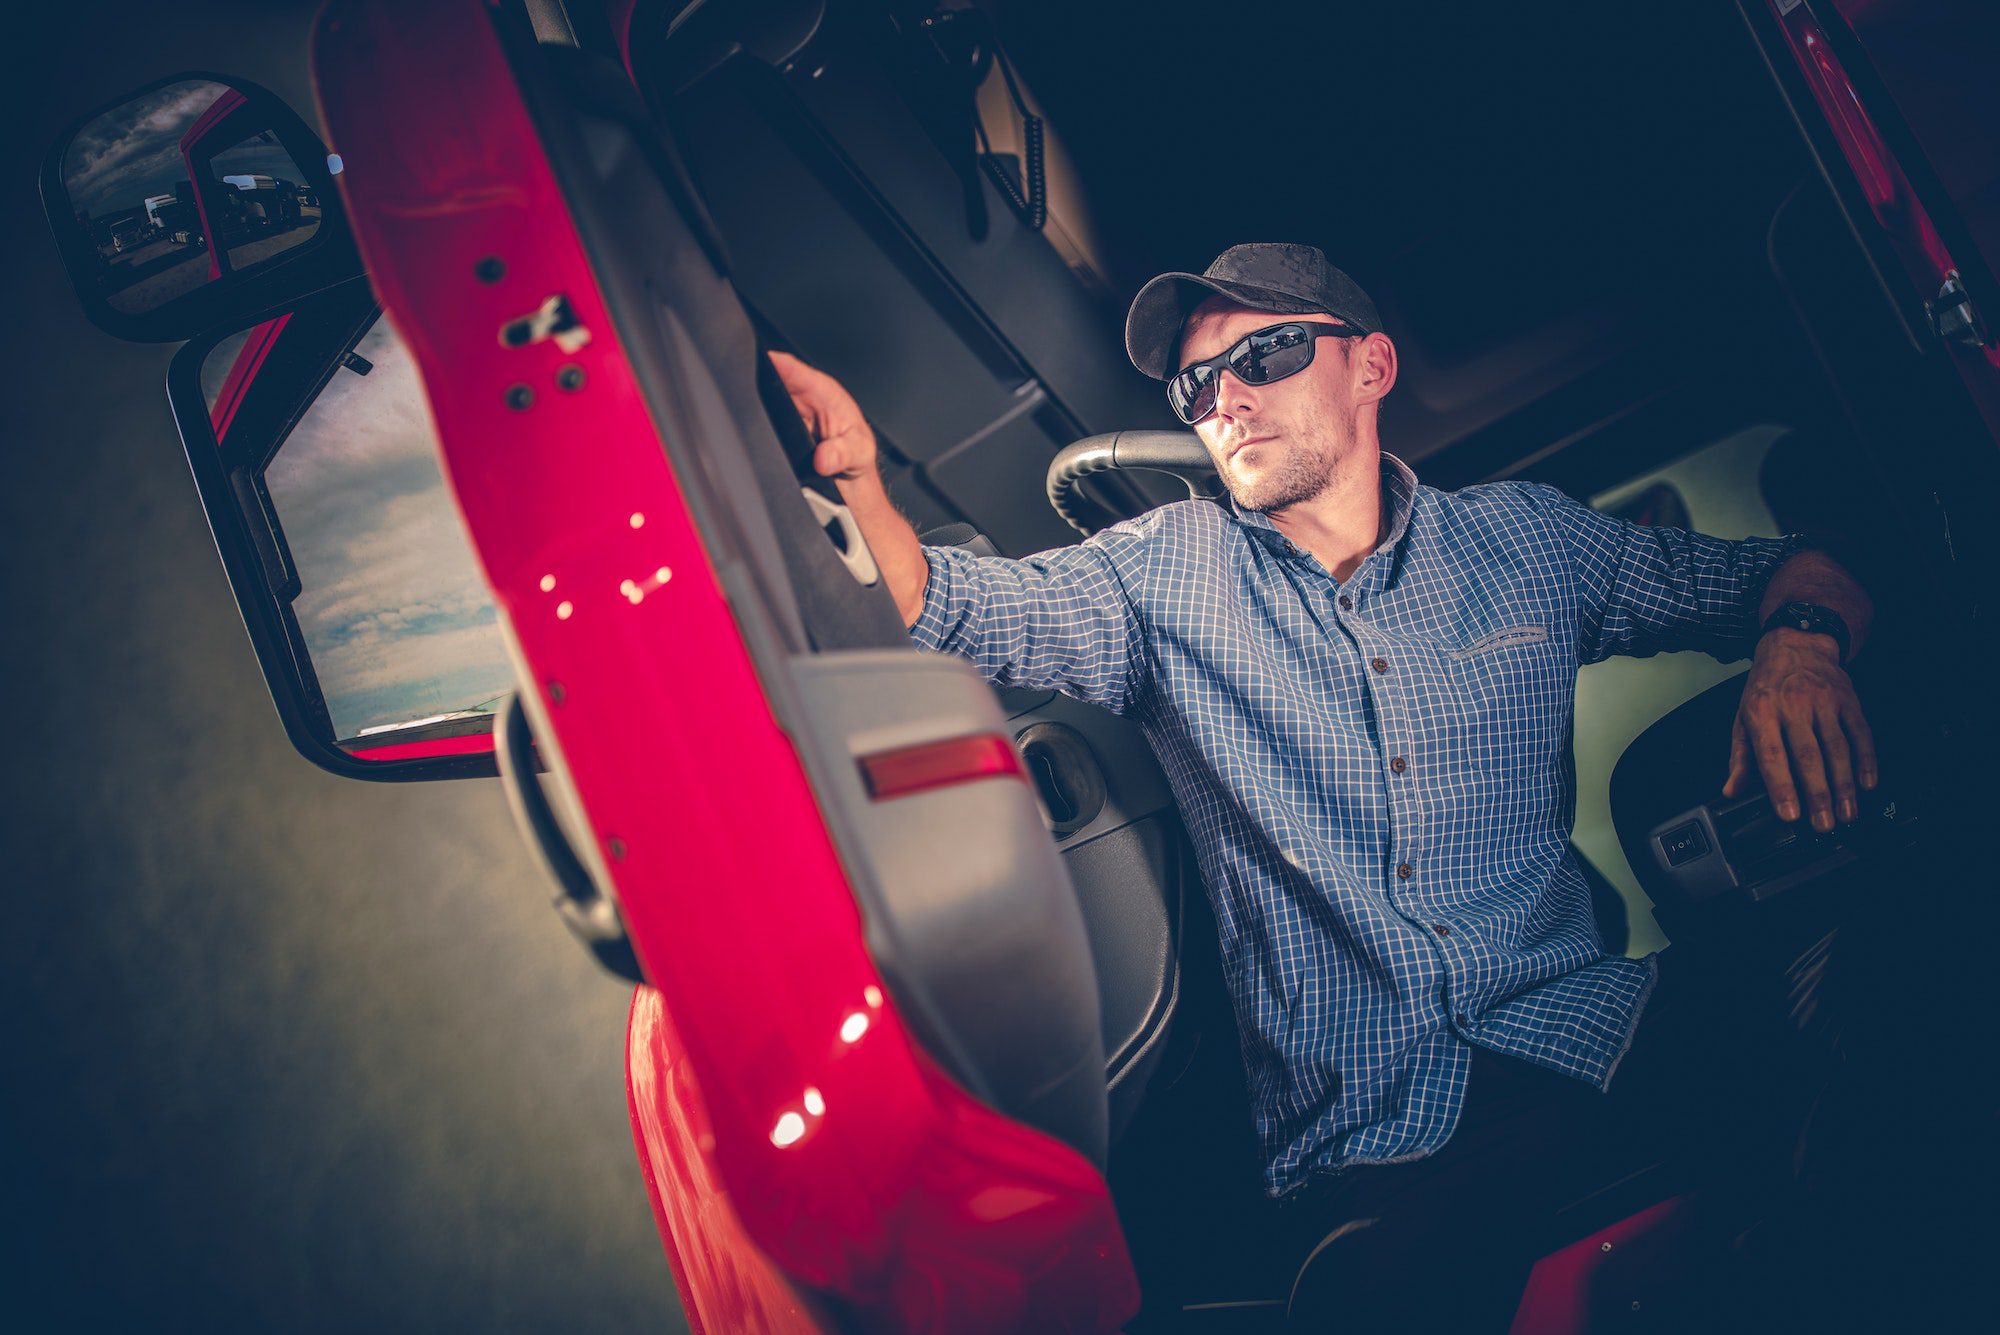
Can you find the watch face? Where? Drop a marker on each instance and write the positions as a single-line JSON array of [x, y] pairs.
[[1812, 619]]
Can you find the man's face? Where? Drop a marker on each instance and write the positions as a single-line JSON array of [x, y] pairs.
[[1278, 444]]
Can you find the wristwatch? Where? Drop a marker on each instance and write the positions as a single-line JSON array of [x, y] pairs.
[[1811, 618]]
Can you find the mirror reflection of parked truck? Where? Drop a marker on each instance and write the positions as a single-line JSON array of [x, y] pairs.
[[264, 203], [127, 230], [175, 217]]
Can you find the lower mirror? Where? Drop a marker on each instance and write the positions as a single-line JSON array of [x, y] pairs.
[[381, 642]]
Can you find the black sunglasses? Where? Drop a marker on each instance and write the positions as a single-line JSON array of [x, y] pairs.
[[1261, 357]]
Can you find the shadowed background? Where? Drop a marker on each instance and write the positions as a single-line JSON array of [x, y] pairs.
[[283, 1050]]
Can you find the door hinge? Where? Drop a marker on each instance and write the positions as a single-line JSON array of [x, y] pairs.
[[1952, 316]]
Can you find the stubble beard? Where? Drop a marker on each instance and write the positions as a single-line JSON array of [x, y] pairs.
[[1304, 474], [1301, 477]]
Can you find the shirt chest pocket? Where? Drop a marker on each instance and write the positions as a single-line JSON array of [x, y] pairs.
[[1506, 637], [1505, 679]]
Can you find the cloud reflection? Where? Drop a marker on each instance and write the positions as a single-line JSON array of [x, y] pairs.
[[134, 150], [393, 608]]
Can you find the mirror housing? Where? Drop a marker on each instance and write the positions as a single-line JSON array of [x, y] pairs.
[[192, 203], [312, 413]]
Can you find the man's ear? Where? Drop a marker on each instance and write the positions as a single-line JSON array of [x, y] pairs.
[[1373, 362]]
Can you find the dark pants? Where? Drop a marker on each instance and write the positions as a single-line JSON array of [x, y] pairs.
[[1812, 1093], [1713, 1094]]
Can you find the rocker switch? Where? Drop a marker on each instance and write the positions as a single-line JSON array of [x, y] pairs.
[[1684, 843]]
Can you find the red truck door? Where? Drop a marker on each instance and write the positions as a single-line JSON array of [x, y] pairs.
[[1894, 98], [867, 1076]]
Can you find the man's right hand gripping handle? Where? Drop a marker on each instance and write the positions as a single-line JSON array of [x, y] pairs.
[[846, 453]]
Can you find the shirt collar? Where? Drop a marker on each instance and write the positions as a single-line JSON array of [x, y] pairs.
[[1399, 484]]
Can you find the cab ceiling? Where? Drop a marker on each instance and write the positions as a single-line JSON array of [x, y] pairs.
[[1543, 200]]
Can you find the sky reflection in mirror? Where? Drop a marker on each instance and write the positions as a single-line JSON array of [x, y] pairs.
[[395, 613]]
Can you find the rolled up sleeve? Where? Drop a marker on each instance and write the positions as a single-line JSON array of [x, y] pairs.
[[1059, 620], [1644, 590]]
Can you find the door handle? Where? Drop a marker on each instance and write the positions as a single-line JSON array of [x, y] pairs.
[[590, 914]]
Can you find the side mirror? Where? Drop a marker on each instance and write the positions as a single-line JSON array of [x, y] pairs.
[[312, 447], [191, 204]]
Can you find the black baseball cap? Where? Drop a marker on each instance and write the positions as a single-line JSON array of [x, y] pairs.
[[1263, 275]]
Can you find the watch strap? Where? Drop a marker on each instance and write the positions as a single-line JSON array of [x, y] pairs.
[[1814, 620]]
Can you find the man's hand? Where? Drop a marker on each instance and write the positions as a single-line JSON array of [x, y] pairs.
[[846, 449], [846, 453], [1799, 715]]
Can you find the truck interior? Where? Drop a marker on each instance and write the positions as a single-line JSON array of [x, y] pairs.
[[1616, 254]]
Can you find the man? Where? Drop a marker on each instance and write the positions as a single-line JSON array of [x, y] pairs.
[[1360, 689]]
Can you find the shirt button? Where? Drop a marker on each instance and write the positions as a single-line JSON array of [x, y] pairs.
[[1405, 870], [1462, 1020], [1346, 603], [1291, 549], [1440, 929], [1379, 664], [1398, 764]]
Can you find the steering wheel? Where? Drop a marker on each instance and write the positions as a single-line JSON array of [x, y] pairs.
[[1180, 453]]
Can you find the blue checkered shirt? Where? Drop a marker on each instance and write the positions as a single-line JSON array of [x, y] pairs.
[[1376, 773]]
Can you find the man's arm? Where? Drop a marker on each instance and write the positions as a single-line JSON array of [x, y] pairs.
[[1799, 712], [1061, 619], [1642, 590], [846, 453]]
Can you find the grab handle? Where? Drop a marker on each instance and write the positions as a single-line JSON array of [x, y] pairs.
[[589, 913]]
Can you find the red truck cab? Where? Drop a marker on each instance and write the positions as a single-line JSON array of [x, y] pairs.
[[922, 967]]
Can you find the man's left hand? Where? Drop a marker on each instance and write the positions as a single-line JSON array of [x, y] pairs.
[[1799, 716]]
